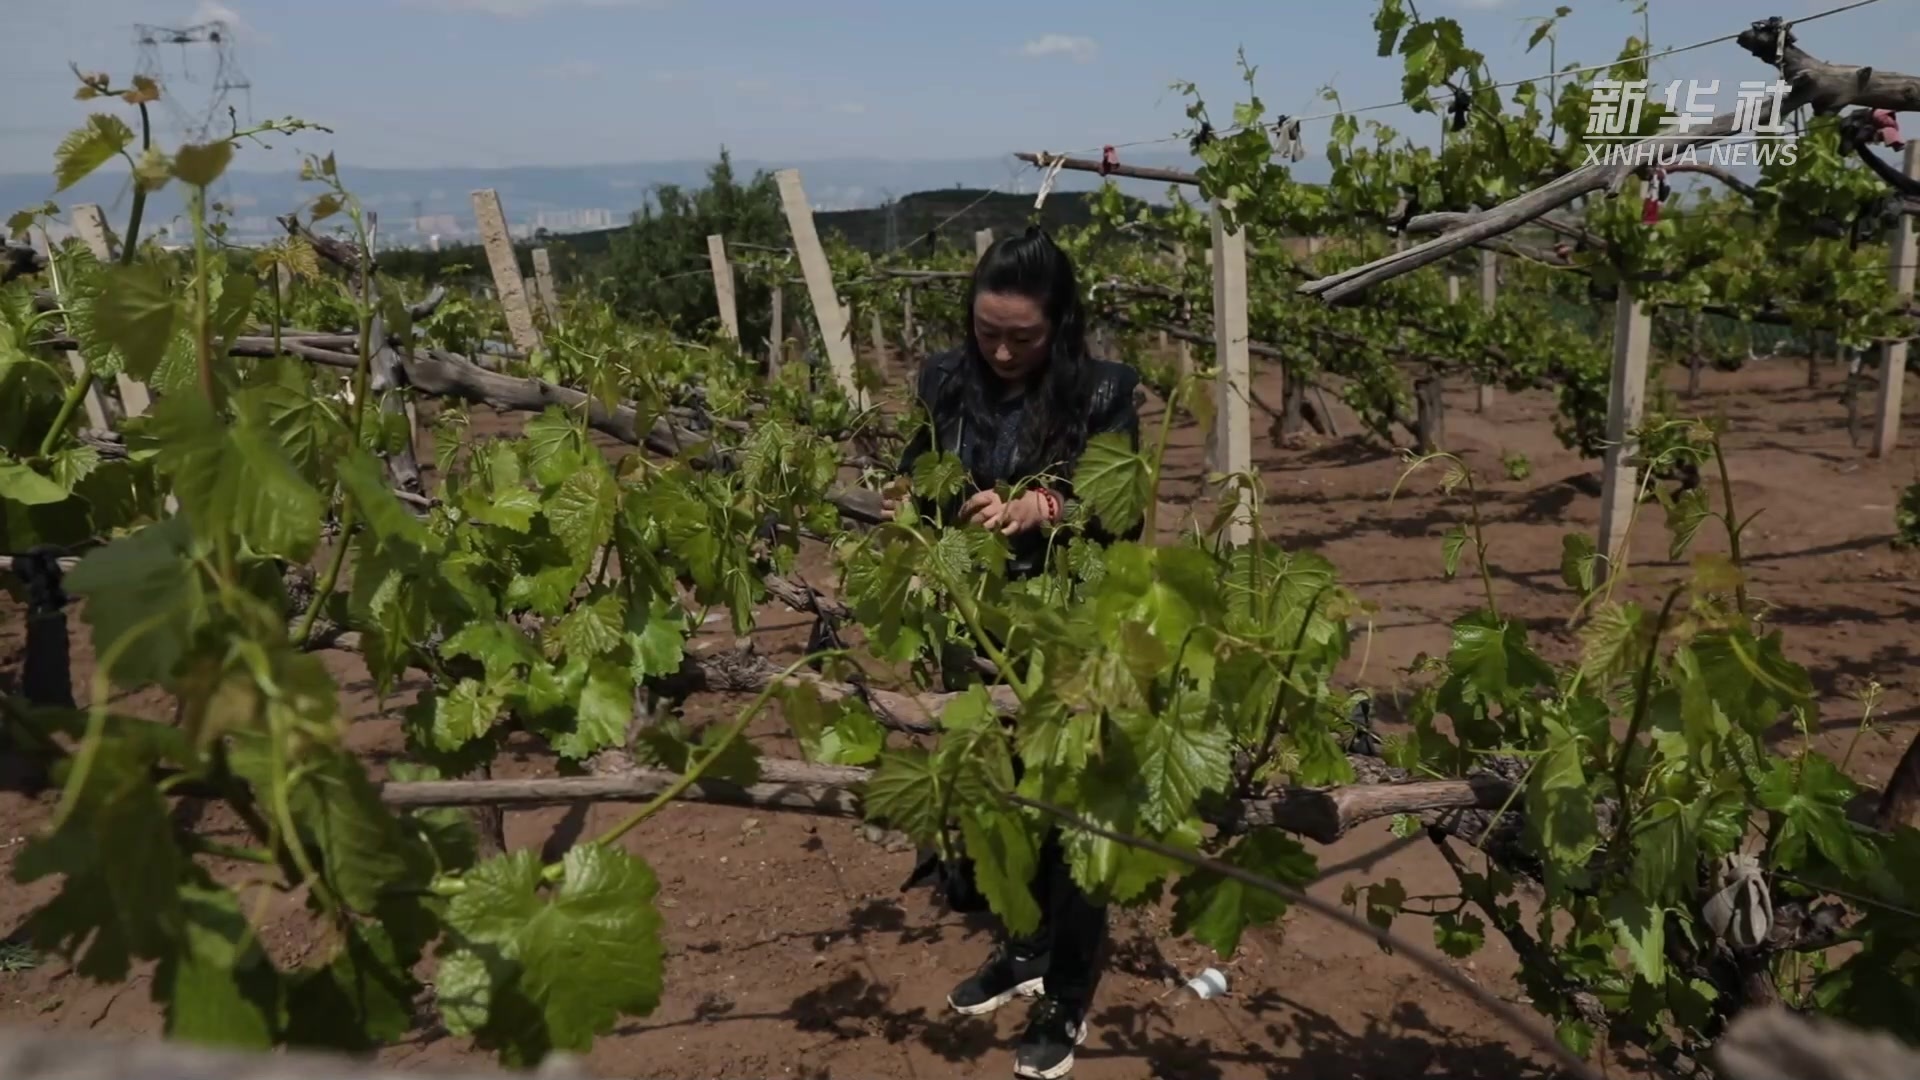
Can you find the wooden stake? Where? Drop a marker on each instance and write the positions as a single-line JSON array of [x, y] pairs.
[[91, 226], [1893, 355], [1232, 444], [982, 240], [813, 265], [506, 269], [1489, 286], [94, 401], [1186, 311], [1620, 483], [543, 281], [906, 323], [777, 334], [723, 286]]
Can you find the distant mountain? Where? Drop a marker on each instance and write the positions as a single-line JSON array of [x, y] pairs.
[[414, 204]]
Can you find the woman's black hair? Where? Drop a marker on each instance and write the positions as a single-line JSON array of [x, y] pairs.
[[1054, 415]]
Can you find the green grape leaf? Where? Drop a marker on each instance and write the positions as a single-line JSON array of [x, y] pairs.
[[604, 712], [1215, 909], [446, 830], [1560, 809], [499, 646], [1641, 929], [1114, 479], [1494, 658], [1577, 554], [1611, 642], [88, 147], [656, 634], [904, 792], [1109, 869], [362, 849], [582, 511], [555, 448], [1688, 511], [143, 583], [361, 1000], [387, 518], [219, 987], [120, 897], [200, 165], [1004, 858], [1385, 901], [135, 315], [73, 464], [1459, 935], [1576, 1035], [594, 628], [842, 733], [1450, 547], [1811, 794], [938, 477], [1663, 849], [22, 485], [738, 761], [457, 716], [302, 423], [549, 970], [1178, 757], [234, 480]]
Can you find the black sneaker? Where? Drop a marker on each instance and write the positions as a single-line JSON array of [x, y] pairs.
[[1045, 1051], [1002, 978]]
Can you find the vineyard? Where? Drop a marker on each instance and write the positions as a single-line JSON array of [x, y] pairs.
[[512, 665]]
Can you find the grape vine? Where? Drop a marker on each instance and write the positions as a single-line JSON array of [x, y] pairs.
[[545, 587]]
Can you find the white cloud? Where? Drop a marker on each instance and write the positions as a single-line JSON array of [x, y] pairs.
[[1078, 49], [520, 9], [569, 69], [851, 108]]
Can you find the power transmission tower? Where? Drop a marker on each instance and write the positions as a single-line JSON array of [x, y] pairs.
[[189, 56]]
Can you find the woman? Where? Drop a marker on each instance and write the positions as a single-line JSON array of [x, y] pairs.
[[1016, 403]]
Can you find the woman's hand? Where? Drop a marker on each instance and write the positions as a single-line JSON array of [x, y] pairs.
[[897, 491], [1028, 511]]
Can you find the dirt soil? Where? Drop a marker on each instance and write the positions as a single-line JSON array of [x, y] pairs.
[[792, 951]]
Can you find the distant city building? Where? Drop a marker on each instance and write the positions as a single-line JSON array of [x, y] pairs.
[[573, 220]]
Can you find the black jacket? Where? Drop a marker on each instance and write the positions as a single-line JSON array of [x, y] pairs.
[[990, 456]]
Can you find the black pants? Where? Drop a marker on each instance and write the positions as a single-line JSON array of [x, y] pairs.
[[1072, 931]]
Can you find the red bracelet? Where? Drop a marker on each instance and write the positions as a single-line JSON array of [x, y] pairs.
[[1053, 503]]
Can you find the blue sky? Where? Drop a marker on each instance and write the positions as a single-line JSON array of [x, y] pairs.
[[513, 82]]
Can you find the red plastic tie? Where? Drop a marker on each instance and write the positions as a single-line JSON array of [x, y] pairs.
[[1886, 124], [1650, 206]]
